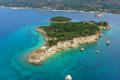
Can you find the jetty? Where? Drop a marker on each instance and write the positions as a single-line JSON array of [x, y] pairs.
[[100, 14]]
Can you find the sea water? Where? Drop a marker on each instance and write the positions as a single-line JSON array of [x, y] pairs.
[[18, 38]]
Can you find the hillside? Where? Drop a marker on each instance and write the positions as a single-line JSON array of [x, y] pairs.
[[67, 31], [86, 5], [60, 19]]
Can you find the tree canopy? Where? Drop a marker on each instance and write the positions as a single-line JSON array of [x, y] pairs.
[[68, 31], [60, 19], [86, 5]]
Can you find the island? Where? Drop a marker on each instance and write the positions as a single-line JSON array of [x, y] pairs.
[[61, 36], [60, 19]]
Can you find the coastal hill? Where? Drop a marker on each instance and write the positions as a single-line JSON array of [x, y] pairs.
[[112, 6], [60, 36], [67, 31], [60, 19]]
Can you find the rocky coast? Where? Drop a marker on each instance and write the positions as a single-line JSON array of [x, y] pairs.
[[41, 54]]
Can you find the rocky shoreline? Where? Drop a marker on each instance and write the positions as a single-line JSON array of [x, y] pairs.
[[41, 54]]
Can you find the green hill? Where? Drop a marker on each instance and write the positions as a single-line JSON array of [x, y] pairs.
[[86, 5], [60, 19], [68, 31]]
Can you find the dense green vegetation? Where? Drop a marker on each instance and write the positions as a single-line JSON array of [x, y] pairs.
[[68, 31], [86, 5], [60, 19], [102, 23]]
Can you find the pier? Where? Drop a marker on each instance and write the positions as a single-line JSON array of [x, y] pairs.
[[99, 15]]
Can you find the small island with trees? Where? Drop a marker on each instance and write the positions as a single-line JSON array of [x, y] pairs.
[[67, 31], [60, 19], [60, 36]]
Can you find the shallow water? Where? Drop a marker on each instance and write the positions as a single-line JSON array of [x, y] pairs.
[[18, 38]]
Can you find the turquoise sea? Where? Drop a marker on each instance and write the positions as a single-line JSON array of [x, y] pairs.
[[18, 38]]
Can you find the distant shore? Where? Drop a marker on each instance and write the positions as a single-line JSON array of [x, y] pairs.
[[48, 9], [55, 10]]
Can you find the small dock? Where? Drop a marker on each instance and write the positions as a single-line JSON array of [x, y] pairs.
[[100, 14]]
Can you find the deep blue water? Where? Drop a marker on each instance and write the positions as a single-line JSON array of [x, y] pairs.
[[18, 38]]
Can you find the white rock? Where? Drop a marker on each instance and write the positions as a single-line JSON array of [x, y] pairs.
[[108, 42], [68, 77], [82, 49], [97, 51]]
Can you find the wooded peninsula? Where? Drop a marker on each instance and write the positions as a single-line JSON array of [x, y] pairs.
[[60, 36]]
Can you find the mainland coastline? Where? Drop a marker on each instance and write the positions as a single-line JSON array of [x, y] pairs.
[[40, 55], [57, 10]]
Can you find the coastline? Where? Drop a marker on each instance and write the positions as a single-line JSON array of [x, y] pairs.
[[40, 55], [56, 10]]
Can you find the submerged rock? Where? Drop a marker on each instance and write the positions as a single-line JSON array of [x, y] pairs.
[[68, 77]]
